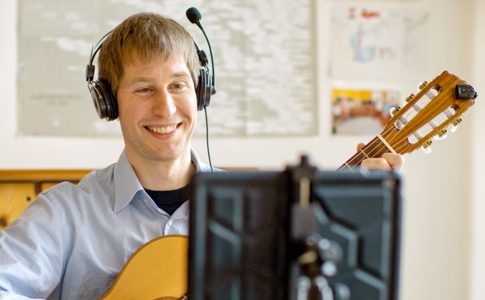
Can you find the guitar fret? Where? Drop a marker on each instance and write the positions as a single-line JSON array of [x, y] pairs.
[[386, 144], [375, 148]]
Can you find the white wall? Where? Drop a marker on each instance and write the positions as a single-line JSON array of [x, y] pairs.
[[437, 227], [478, 159], [438, 195]]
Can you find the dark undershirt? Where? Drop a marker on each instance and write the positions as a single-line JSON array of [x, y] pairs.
[[169, 201]]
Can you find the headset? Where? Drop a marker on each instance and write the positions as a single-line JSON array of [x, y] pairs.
[[105, 101]]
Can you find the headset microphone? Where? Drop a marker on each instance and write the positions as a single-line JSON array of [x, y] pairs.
[[194, 16]]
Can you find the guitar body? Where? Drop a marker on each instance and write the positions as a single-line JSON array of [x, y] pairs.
[[158, 270]]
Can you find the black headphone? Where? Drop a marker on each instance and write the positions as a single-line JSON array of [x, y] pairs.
[[105, 101]]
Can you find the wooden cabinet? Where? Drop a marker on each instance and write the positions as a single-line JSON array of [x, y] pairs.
[[18, 188], [14, 198]]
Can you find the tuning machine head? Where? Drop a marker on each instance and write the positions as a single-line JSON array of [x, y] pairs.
[[394, 110], [443, 134], [455, 123], [422, 85], [426, 147], [410, 97]]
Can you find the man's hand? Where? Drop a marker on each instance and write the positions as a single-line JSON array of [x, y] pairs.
[[388, 161]]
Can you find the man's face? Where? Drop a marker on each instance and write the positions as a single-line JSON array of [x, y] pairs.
[[157, 109]]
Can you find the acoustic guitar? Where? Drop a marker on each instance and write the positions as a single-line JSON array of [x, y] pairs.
[[157, 270], [437, 108]]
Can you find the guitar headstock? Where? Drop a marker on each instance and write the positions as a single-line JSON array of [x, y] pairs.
[[436, 109]]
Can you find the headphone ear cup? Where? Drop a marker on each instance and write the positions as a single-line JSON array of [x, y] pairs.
[[104, 100], [203, 90], [111, 102]]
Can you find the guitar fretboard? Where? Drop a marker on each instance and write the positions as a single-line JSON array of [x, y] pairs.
[[374, 148]]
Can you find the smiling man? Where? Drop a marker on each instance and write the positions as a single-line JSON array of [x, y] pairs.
[[72, 242], [158, 112]]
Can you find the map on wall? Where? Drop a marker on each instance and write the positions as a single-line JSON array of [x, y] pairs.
[[264, 54]]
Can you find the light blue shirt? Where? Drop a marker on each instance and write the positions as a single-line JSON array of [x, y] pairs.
[[72, 242]]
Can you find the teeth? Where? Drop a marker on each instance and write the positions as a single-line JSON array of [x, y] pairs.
[[163, 130]]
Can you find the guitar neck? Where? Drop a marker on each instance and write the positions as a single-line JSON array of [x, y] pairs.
[[375, 148]]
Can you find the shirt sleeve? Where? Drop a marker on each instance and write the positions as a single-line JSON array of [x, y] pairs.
[[32, 252], [10, 296]]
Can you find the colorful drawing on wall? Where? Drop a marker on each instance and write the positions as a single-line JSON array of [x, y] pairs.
[[378, 41], [361, 111]]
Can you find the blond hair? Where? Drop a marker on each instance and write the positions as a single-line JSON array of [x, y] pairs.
[[146, 35]]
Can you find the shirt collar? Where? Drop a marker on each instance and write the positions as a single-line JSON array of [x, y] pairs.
[[127, 184]]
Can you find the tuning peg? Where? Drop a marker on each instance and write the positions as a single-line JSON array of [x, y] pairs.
[[394, 110], [457, 121], [423, 85], [410, 97], [454, 126], [441, 135], [426, 147], [426, 150]]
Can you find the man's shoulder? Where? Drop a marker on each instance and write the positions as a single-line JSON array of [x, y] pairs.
[[96, 182]]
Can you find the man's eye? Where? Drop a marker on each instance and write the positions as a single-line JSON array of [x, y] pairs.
[[177, 86], [143, 90]]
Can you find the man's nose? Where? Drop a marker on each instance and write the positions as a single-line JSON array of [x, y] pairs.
[[164, 104]]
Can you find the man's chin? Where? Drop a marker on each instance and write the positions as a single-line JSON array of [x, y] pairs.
[[170, 155]]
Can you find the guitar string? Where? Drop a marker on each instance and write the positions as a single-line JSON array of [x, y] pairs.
[[372, 151], [357, 155], [405, 141], [399, 147], [381, 146], [370, 145], [369, 148]]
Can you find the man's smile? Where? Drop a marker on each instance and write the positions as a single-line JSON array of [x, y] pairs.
[[163, 129]]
